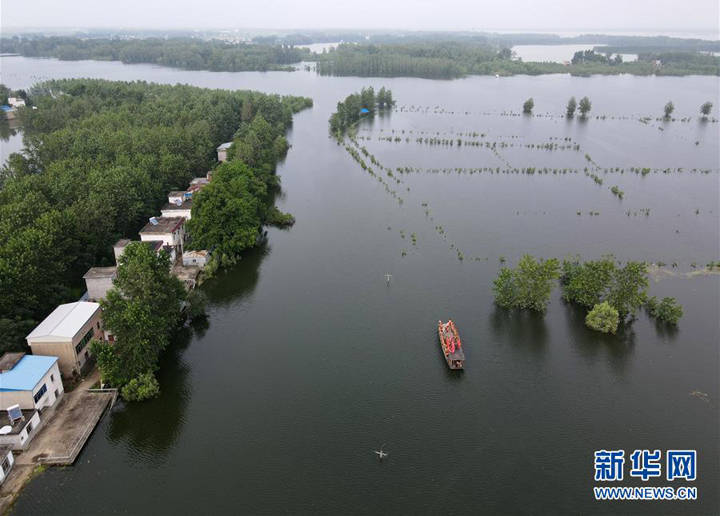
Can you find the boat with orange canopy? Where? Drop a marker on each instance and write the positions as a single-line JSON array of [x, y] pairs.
[[451, 345]]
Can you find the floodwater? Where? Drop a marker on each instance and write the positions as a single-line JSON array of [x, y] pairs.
[[310, 360]]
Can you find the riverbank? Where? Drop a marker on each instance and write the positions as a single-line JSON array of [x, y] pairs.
[[60, 440]]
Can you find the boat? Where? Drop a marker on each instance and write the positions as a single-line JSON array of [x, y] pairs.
[[451, 345]]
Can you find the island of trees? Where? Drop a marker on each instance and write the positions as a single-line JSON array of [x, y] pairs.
[[186, 53], [447, 60], [100, 158], [611, 292], [429, 55], [355, 106]]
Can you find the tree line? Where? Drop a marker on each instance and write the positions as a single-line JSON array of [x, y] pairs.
[[186, 53], [611, 292], [452, 59], [99, 159], [357, 105]]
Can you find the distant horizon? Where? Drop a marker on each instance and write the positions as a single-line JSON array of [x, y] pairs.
[[711, 34]]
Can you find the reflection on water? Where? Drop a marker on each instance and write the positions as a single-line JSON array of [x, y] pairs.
[[592, 344], [524, 329], [150, 429]]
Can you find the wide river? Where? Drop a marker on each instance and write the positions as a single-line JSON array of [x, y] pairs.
[[311, 360]]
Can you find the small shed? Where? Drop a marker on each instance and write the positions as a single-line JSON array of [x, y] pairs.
[[195, 258], [98, 281], [222, 151]]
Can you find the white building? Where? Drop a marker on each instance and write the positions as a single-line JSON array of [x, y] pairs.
[[179, 205], [222, 151], [98, 281], [31, 381], [195, 258], [170, 230], [65, 335], [16, 102], [7, 459]]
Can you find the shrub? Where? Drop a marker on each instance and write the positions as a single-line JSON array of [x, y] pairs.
[[668, 310], [143, 387], [603, 317], [528, 105], [528, 286]]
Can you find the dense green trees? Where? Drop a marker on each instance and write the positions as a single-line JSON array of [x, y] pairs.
[[528, 106], [585, 106], [445, 59], [527, 286], [603, 317], [100, 159], [669, 108], [350, 110], [140, 310], [611, 293], [187, 53], [571, 106], [592, 282], [228, 213]]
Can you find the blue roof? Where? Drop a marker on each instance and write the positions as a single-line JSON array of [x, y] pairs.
[[5, 107], [364, 110], [26, 374]]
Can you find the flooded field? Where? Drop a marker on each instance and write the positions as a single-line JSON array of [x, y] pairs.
[[311, 360]]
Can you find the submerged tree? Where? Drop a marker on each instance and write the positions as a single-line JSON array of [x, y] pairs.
[[603, 317], [668, 310], [628, 289], [571, 106], [706, 108], [528, 106], [528, 286], [585, 106], [669, 108]]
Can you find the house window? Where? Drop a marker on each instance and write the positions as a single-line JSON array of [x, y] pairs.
[[29, 428], [40, 393], [83, 342], [52, 378]]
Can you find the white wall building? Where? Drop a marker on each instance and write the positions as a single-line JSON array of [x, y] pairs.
[[7, 459], [33, 382], [171, 230], [98, 281]]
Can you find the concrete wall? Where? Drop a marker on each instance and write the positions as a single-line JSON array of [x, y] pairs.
[[176, 213], [10, 461], [97, 287], [222, 155]]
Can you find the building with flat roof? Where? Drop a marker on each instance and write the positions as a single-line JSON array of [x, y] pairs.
[[33, 383], [98, 281], [178, 209], [171, 230], [66, 333], [222, 151]]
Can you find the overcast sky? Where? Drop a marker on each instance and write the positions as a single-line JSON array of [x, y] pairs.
[[541, 15]]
